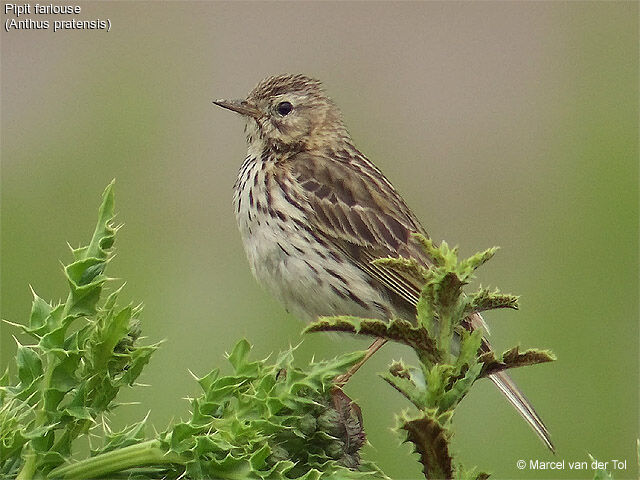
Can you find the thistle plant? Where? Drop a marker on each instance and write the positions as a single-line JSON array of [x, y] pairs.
[[450, 356], [267, 419], [83, 352]]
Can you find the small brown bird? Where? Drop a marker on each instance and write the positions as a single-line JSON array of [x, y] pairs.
[[313, 212]]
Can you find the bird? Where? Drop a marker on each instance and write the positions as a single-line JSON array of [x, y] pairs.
[[314, 212]]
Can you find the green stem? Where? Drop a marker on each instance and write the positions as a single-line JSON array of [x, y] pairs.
[[28, 467], [71, 431], [30, 459], [145, 453], [41, 416], [444, 342]]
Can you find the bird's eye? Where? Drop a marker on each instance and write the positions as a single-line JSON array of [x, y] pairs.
[[284, 108]]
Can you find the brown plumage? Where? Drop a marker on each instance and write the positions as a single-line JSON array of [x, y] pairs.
[[313, 212]]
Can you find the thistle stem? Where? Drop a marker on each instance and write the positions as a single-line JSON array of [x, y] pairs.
[[30, 459], [145, 453], [28, 467]]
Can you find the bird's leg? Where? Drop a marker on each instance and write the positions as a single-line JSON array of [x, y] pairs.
[[341, 380]]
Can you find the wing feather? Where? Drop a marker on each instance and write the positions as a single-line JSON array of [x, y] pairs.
[[359, 211]]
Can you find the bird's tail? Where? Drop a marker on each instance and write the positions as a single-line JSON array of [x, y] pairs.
[[511, 391]]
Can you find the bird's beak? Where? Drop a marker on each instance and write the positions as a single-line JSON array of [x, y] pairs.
[[240, 106]]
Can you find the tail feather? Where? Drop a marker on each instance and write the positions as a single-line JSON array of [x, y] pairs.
[[510, 390], [513, 394]]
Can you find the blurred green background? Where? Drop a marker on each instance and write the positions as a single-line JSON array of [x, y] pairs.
[[511, 124]]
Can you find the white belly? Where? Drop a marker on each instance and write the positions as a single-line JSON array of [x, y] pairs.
[[290, 263]]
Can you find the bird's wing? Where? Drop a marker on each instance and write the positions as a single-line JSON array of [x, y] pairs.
[[353, 206], [350, 202]]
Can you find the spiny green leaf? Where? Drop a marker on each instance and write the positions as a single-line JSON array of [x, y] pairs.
[[257, 458], [82, 413], [431, 442], [404, 384], [14, 419], [470, 265], [54, 338], [239, 359], [83, 273], [182, 436], [84, 298], [104, 234], [29, 365], [208, 380], [52, 398], [437, 378], [472, 474], [40, 310], [469, 346], [64, 369], [484, 300], [109, 332], [441, 255], [460, 388], [245, 426], [398, 330], [513, 358], [426, 313], [136, 361], [51, 320], [447, 290]]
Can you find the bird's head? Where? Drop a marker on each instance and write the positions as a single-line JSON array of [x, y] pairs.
[[290, 112]]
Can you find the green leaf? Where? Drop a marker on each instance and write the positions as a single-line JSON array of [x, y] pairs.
[[52, 320], [29, 365], [85, 275], [131, 435], [401, 381], [40, 310], [104, 234], [137, 360], [472, 474], [239, 359], [84, 297], [470, 265], [426, 313], [484, 300], [64, 376], [110, 332], [257, 458], [460, 388], [182, 437], [398, 330], [442, 255], [469, 346], [447, 290], [14, 419], [512, 359], [82, 413], [431, 442], [437, 378]]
